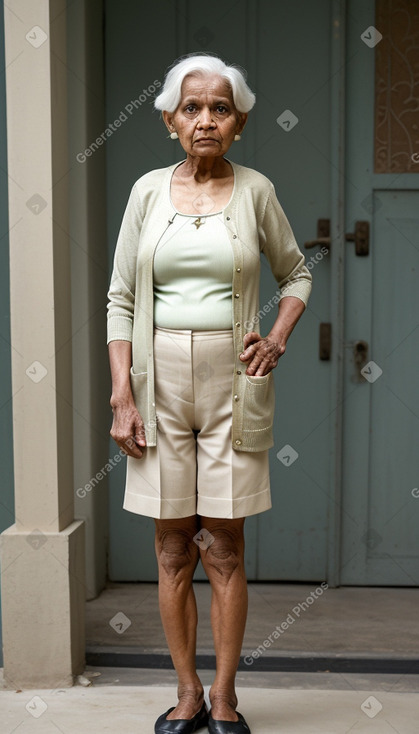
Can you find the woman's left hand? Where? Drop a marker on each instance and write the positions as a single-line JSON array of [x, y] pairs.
[[262, 353]]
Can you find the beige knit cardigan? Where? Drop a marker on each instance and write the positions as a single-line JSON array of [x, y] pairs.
[[255, 222]]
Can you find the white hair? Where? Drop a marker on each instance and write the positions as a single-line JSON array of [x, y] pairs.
[[204, 64]]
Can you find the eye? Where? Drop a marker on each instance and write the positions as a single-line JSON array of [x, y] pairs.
[[221, 108], [190, 108]]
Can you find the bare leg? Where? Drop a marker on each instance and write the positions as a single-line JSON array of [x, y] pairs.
[[223, 561], [177, 556]]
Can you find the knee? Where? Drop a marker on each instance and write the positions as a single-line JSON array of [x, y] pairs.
[[225, 554], [176, 552]]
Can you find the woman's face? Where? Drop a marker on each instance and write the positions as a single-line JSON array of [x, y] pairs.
[[206, 119]]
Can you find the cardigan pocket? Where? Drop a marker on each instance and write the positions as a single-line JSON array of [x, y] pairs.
[[259, 407]]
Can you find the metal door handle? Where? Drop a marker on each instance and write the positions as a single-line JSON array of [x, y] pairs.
[[361, 237], [319, 241], [360, 352], [323, 235]]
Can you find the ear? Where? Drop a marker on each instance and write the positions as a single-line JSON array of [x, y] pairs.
[[168, 120], [241, 121]]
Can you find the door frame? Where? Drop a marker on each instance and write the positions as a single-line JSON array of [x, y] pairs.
[[337, 283]]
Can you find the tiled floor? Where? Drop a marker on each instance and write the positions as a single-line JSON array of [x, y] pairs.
[[347, 620], [119, 703]]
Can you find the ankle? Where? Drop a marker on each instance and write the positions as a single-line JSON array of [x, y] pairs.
[[224, 696], [191, 690]]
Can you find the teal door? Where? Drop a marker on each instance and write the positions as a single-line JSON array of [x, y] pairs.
[[288, 67], [381, 418]]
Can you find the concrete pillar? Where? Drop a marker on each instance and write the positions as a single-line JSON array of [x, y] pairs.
[[92, 415], [42, 554]]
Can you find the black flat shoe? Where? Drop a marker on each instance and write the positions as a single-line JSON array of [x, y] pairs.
[[181, 726], [216, 726]]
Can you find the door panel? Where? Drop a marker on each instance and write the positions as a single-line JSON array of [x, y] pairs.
[[293, 73], [380, 527], [288, 67]]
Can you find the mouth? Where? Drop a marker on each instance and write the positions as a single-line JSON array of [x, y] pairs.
[[206, 140]]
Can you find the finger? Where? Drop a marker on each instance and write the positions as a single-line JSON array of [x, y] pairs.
[[263, 369], [260, 365], [139, 430], [255, 360], [247, 354], [253, 367], [250, 337], [139, 435], [249, 351], [256, 351], [130, 448]]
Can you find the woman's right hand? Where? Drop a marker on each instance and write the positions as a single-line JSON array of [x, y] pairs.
[[127, 428]]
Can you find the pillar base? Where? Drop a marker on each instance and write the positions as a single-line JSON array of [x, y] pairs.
[[43, 606]]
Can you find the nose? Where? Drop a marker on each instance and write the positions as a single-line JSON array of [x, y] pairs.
[[205, 121]]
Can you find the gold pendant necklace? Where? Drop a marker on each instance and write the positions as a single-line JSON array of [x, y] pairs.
[[197, 222]]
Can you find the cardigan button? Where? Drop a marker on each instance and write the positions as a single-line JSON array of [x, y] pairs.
[[228, 219], [238, 442], [234, 236], [236, 397], [238, 372], [237, 323], [237, 295], [238, 270]]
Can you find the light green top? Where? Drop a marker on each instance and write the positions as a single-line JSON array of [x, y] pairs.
[[193, 273]]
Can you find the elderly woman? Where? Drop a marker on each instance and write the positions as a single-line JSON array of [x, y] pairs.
[[192, 382]]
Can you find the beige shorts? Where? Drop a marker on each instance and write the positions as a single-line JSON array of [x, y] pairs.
[[193, 469]]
